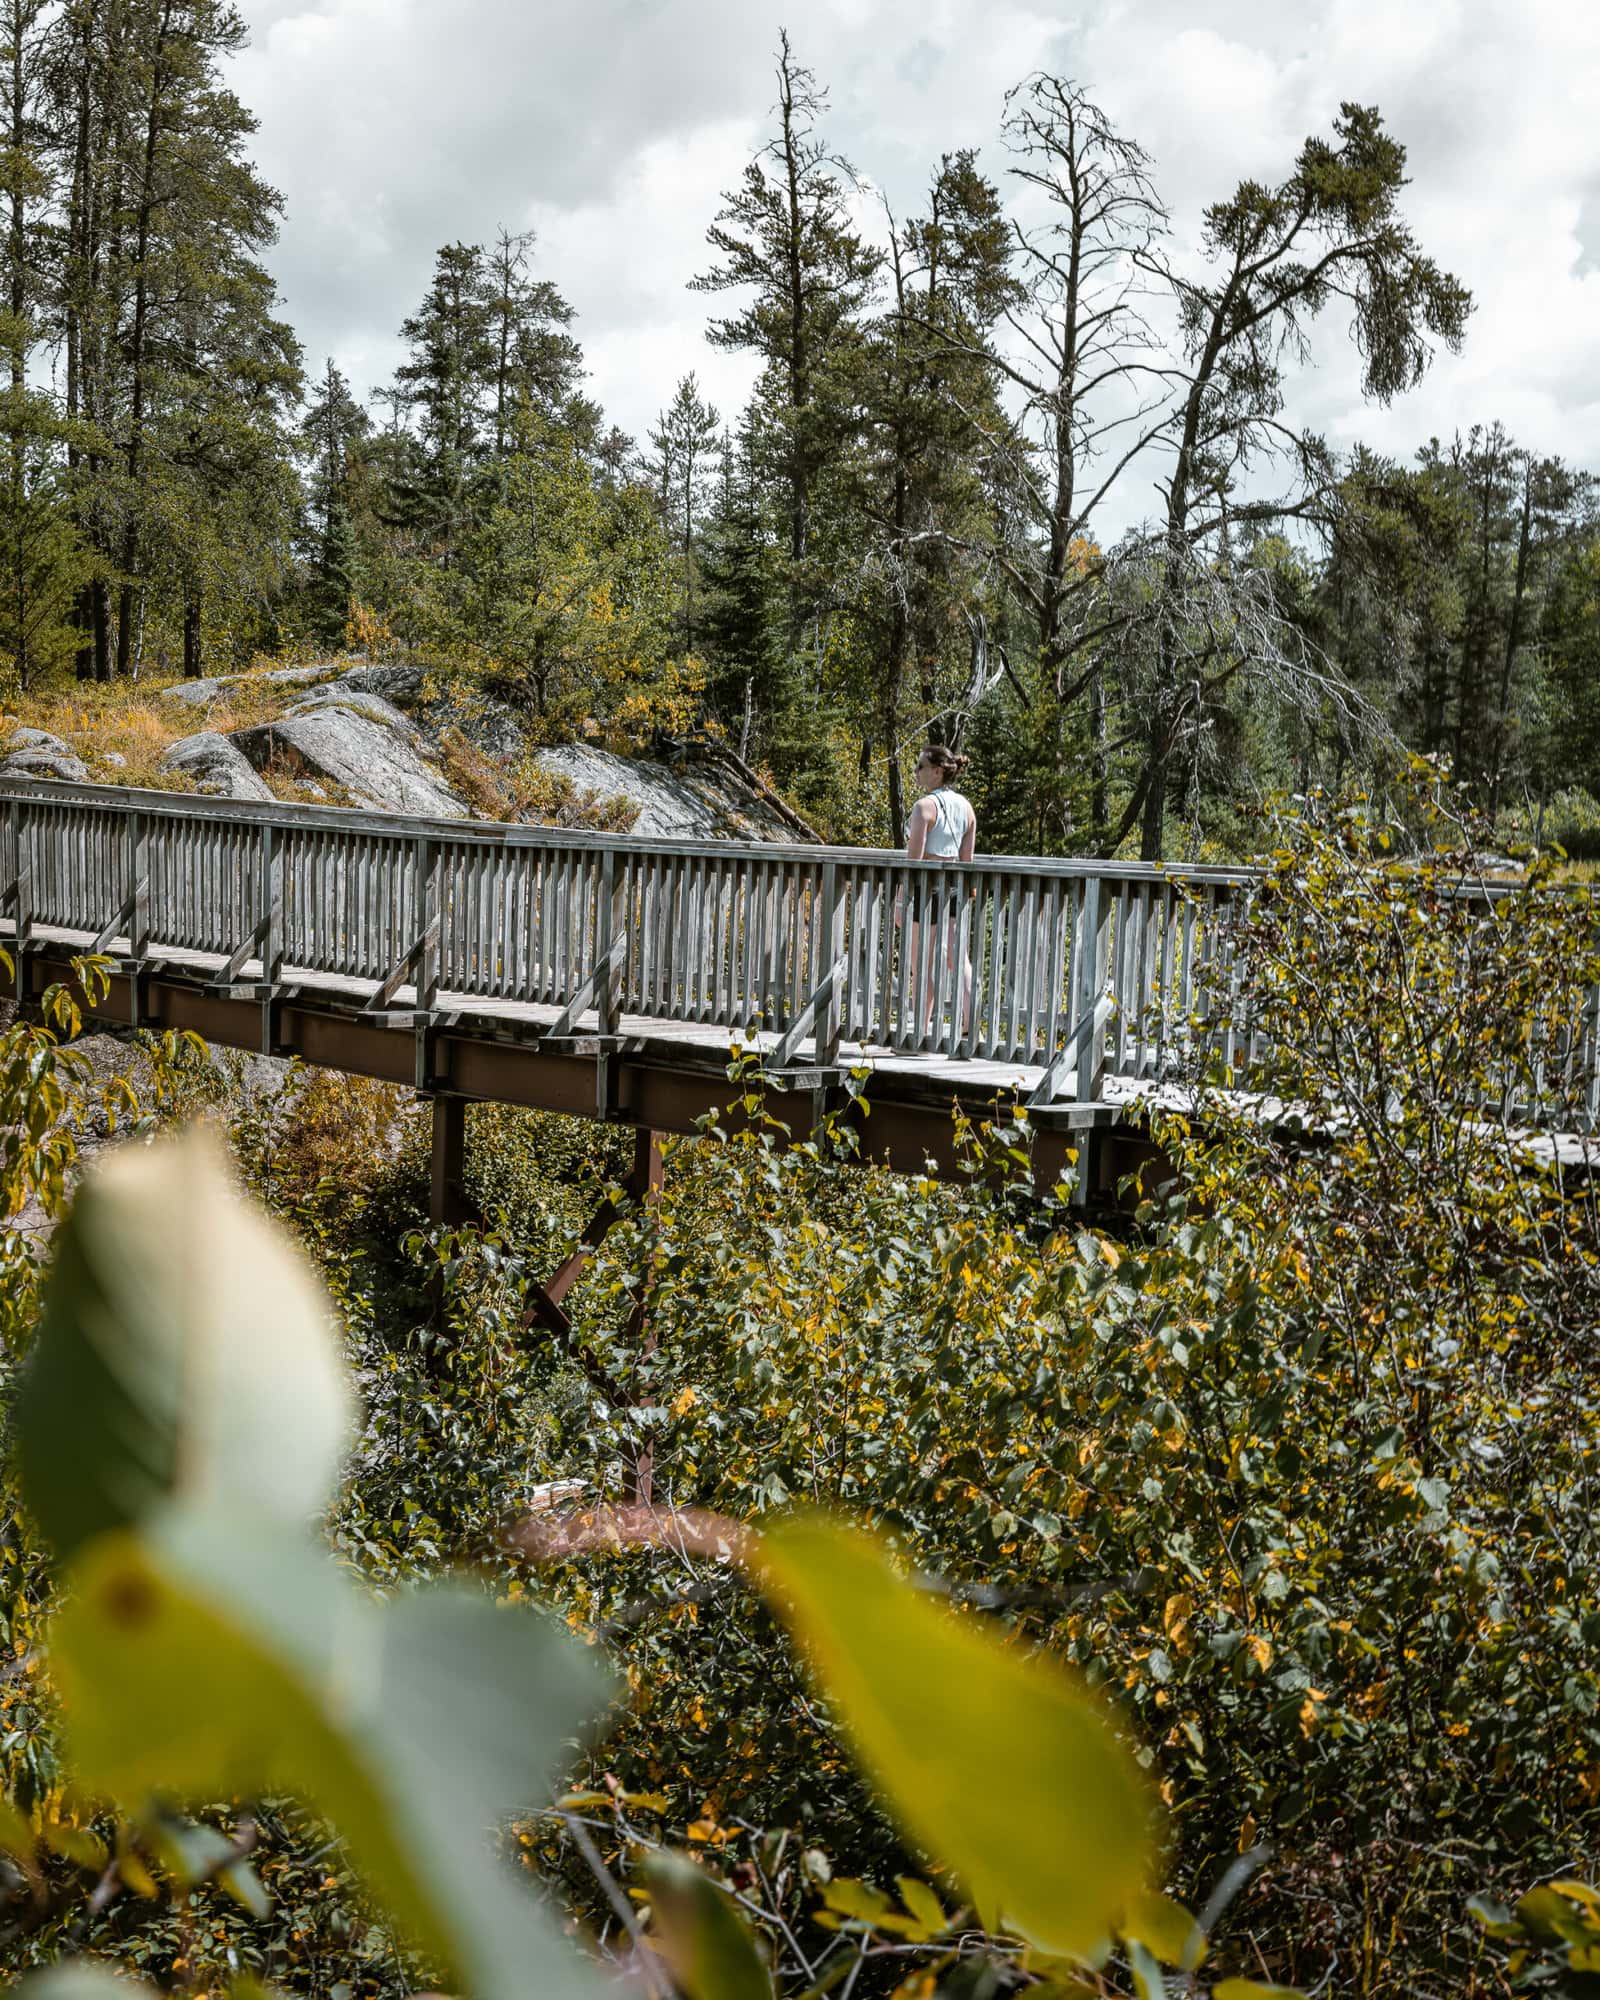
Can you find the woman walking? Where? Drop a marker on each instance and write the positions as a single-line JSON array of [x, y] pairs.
[[942, 827]]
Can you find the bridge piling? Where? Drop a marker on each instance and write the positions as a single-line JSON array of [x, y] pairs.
[[449, 1205], [649, 1172]]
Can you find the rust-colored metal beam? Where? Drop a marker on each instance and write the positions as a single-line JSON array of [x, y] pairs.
[[644, 1179], [667, 1090], [649, 1169], [449, 1204]]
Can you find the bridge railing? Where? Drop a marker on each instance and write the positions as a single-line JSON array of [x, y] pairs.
[[1078, 968]]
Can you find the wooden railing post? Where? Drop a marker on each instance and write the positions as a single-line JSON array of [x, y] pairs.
[[271, 935], [610, 921], [830, 935], [1092, 971], [427, 917], [611, 971], [22, 898], [138, 914]]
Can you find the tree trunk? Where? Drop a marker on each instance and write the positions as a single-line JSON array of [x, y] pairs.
[[747, 722], [1099, 772], [19, 342], [1152, 821], [101, 294], [83, 619], [688, 554], [799, 383], [191, 639], [1513, 639], [100, 592], [80, 234], [125, 617], [1179, 493], [136, 351]]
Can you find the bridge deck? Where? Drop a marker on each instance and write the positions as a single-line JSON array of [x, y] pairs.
[[967, 1078], [660, 1072], [612, 977]]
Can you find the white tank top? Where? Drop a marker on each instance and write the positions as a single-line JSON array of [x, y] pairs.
[[952, 815]]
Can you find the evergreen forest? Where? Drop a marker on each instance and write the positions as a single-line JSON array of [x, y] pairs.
[[905, 533], [720, 1566]]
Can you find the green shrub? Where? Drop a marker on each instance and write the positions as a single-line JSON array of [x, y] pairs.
[[1303, 1468], [180, 1422]]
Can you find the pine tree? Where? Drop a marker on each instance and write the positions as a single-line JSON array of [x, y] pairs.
[[928, 397], [684, 438], [331, 430], [488, 343], [785, 233], [561, 585], [536, 361], [1278, 256], [174, 355], [744, 614], [42, 563], [450, 381]]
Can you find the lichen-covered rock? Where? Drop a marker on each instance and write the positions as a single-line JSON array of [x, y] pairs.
[[373, 762], [38, 764], [360, 701], [35, 753], [199, 693], [193, 694], [215, 765], [486, 724], [394, 680], [704, 805], [37, 741]]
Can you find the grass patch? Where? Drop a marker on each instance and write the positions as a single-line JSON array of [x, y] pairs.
[[137, 722]]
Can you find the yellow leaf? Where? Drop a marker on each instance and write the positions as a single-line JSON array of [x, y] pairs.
[[938, 1705], [16, 1836], [1166, 1928]]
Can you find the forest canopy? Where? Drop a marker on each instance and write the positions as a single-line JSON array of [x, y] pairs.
[[909, 529]]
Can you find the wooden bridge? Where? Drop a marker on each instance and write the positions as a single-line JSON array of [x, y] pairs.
[[610, 977]]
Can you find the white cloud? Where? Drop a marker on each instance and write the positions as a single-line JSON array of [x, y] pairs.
[[394, 126]]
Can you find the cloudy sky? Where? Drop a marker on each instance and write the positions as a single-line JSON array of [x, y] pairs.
[[393, 126]]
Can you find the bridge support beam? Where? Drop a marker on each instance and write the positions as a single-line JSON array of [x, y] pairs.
[[642, 1184], [648, 1177], [546, 1301], [449, 1205]]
